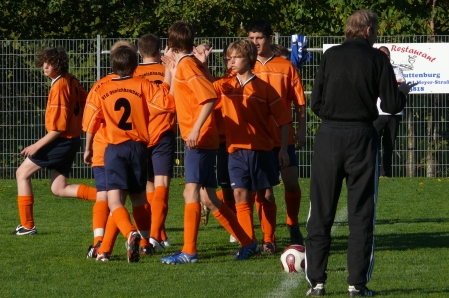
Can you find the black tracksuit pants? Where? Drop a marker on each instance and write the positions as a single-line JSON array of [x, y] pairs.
[[343, 150]]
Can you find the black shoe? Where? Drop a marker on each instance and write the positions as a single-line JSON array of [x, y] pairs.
[[318, 290], [295, 235], [21, 231], [92, 252], [362, 292], [147, 250]]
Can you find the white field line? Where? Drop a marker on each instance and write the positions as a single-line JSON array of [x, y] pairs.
[[292, 281]]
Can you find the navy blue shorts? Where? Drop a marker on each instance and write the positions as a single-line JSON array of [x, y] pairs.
[[161, 157], [58, 155], [253, 170], [199, 166], [100, 178], [222, 166], [125, 166], [291, 153]]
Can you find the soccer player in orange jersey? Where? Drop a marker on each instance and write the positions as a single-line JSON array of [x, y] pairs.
[[250, 103], [124, 104], [282, 75], [195, 97], [102, 223], [57, 149], [162, 146]]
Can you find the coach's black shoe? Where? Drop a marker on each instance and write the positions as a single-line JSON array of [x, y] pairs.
[[318, 290], [295, 234], [362, 292], [21, 231]]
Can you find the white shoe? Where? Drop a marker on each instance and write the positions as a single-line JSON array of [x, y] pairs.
[[232, 239], [158, 246], [166, 242]]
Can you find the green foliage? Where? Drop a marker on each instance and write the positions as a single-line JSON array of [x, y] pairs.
[[38, 19]]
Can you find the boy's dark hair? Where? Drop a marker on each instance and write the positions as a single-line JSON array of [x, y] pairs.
[[279, 51], [56, 57], [149, 45], [180, 37], [244, 48], [123, 61], [261, 26]]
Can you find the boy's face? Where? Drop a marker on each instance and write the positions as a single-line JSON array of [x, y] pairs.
[[262, 42], [237, 63], [49, 71]]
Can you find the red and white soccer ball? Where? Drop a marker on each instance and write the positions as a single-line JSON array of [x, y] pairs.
[[293, 258]]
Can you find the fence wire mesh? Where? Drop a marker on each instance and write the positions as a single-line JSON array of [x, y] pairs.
[[421, 148]]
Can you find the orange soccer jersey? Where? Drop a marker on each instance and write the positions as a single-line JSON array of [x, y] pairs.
[[248, 111], [125, 105], [159, 124], [191, 90], [99, 143], [283, 76], [65, 106]]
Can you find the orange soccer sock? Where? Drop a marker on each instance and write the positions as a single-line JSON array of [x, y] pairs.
[[86, 193], [150, 197], [244, 216], [159, 209], [142, 220], [123, 221], [269, 220], [26, 211], [100, 215], [192, 215], [220, 195], [293, 202], [229, 221], [258, 202], [110, 235]]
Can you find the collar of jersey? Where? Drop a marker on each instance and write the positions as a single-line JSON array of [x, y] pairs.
[[186, 55], [148, 63], [54, 81], [247, 81], [263, 63], [121, 78]]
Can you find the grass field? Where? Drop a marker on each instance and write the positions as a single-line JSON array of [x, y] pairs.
[[412, 256]]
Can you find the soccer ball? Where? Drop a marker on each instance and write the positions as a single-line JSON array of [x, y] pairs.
[[293, 258]]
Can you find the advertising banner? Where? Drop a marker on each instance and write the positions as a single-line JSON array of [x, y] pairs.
[[424, 63]]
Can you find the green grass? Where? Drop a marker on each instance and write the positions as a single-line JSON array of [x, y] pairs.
[[412, 239]]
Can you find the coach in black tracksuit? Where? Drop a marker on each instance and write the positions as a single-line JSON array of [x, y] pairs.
[[350, 78]]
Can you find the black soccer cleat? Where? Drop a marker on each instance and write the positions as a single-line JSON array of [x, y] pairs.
[[22, 231], [362, 292], [316, 291]]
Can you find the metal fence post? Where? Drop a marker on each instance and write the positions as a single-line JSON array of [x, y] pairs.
[[98, 57]]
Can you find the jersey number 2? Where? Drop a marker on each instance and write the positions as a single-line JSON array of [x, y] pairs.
[[124, 103]]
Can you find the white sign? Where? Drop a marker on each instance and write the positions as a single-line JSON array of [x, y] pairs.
[[424, 63]]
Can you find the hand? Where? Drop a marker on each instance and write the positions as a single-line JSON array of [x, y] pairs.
[[30, 150], [202, 52], [405, 87], [168, 52], [300, 140], [284, 159], [88, 157], [192, 139]]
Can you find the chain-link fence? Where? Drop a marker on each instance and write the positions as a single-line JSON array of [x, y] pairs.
[[420, 150]]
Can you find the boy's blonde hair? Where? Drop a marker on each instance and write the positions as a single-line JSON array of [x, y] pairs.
[[245, 48], [123, 43]]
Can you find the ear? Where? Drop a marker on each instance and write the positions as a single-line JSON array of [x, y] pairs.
[[367, 31]]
